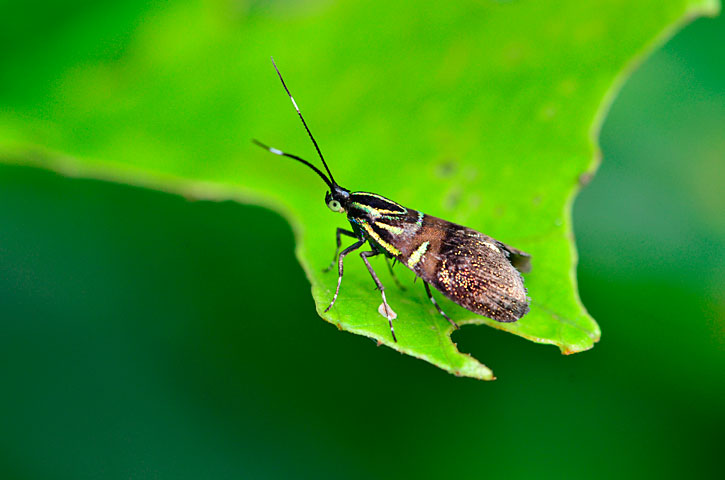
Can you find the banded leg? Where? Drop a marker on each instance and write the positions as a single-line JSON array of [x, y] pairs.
[[349, 249], [433, 300], [364, 256], [340, 231], [392, 274]]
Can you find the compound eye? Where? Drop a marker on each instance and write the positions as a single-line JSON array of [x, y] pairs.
[[334, 205]]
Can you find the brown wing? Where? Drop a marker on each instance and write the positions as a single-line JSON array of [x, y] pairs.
[[472, 269]]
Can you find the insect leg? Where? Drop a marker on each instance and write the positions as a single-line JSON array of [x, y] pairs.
[[340, 231], [433, 300], [349, 249], [364, 256], [392, 274]]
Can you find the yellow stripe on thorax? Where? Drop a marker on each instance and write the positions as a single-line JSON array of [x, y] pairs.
[[379, 240], [391, 228]]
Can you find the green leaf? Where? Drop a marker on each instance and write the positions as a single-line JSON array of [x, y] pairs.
[[484, 113]]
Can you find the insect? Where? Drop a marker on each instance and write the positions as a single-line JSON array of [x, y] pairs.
[[473, 270]]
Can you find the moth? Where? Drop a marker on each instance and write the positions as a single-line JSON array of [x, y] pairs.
[[472, 269]]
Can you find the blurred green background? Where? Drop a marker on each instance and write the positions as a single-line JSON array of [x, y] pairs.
[[136, 341]]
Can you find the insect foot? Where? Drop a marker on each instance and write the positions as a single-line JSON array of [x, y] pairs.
[[387, 312]]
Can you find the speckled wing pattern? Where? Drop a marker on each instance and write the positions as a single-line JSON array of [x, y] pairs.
[[473, 269]]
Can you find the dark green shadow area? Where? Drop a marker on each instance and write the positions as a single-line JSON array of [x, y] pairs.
[[146, 336]]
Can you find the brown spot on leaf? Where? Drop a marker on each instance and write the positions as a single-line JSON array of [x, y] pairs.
[[453, 199], [585, 178], [447, 169]]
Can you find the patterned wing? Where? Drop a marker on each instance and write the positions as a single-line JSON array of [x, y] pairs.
[[474, 270]]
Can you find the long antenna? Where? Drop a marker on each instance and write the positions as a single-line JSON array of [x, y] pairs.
[[285, 154], [304, 123]]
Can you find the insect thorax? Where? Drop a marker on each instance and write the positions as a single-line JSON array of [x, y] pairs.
[[371, 206], [384, 223]]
